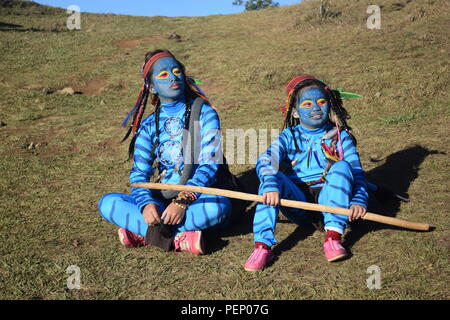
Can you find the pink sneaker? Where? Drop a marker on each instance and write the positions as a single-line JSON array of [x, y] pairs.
[[260, 257], [130, 239], [333, 249], [190, 241]]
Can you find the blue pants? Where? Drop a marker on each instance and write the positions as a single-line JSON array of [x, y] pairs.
[[206, 212], [337, 192]]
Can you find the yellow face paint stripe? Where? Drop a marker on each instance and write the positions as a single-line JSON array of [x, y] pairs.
[[305, 103], [321, 101], [162, 75]]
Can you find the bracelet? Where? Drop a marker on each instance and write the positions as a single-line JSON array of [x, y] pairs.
[[187, 195], [186, 198], [181, 205], [191, 195]]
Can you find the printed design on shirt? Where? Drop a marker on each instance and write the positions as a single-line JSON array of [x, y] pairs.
[[173, 126], [169, 153]]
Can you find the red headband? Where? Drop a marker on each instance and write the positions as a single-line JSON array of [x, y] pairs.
[[149, 64], [296, 81], [292, 84]]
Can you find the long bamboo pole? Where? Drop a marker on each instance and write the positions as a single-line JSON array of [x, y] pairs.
[[286, 203]]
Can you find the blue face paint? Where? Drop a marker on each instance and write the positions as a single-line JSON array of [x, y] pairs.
[[168, 79], [313, 108]]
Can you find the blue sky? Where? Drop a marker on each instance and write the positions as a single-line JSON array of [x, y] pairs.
[[170, 8]]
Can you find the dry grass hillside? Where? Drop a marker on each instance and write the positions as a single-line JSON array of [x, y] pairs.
[[59, 153]]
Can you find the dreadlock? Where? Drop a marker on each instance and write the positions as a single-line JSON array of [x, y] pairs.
[[333, 98], [139, 109]]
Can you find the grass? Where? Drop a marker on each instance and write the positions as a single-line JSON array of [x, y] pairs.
[[49, 219], [398, 118]]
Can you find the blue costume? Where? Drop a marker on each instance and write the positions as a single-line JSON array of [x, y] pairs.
[[158, 142], [311, 160], [345, 182], [208, 210]]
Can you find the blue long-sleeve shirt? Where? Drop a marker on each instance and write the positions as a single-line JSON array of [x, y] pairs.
[[282, 153], [169, 150]]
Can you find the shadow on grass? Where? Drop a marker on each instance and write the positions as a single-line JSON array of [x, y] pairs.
[[398, 172], [243, 211], [300, 233], [11, 27], [213, 241]]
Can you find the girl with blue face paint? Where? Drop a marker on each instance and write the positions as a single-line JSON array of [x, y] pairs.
[[312, 107], [157, 144], [314, 159], [168, 79]]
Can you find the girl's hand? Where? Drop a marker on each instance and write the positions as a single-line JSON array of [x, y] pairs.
[[173, 214], [356, 212], [151, 214], [271, 198]]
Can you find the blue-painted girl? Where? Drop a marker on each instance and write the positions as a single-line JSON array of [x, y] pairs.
[[313, 159], [157, 144]]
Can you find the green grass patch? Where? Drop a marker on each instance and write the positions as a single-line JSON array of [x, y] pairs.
[[398, 119]]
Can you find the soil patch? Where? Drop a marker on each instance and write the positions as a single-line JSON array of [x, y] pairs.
[[92, 87], [131, 43]]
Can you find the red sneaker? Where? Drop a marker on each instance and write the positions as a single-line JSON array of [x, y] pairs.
[[130, 239], [190, 241], [333, 250], [332, 247], [259, 259]]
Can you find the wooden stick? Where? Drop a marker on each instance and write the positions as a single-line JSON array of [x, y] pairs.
[[286, 203]]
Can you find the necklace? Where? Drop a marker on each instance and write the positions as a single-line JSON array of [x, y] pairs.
[[328, 153], [174, 124]]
